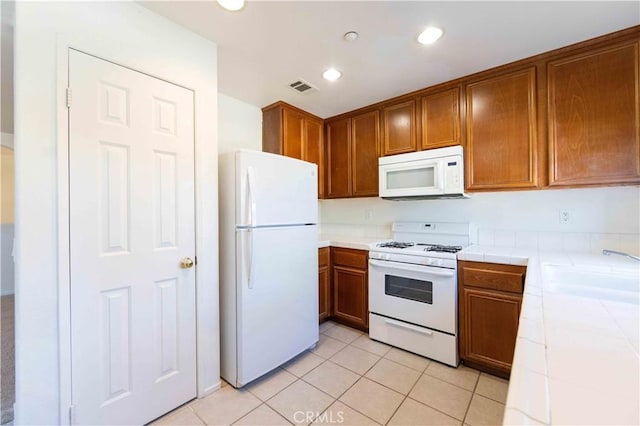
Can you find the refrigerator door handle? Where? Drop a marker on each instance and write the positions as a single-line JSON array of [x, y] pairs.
[[250, 271], [252, 203]]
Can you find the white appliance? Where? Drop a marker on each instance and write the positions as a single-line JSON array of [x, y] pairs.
[[413, 291], [268, 262], [434, 173]]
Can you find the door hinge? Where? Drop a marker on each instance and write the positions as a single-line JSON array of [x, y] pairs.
[[68, 97], [72, 414]]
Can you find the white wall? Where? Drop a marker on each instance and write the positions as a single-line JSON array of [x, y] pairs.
[[131, 35], [593, 210], [239, 125]]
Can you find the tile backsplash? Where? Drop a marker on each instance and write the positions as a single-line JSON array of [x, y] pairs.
[[607, 217], [581, 242]]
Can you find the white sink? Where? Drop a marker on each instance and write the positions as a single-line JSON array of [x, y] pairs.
[[619, 286]]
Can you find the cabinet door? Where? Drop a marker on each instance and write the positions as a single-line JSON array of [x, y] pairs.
[[399, 123], [365, 152], [324, 288], [350, 296], [488, 328], [293, 133], [324, 284], [272, 130], [338, 158], [441, 119], [594, 114], [313, 150], [501, 132]]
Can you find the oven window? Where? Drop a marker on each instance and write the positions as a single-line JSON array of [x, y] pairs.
[[408, 288]]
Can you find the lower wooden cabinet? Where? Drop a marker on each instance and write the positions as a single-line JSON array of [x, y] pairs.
[[324, 283], [490, 298], [343, 286]]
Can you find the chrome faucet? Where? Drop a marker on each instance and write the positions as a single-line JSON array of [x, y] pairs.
[[620, 253]]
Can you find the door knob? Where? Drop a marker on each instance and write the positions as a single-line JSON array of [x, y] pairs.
[[186, 263]]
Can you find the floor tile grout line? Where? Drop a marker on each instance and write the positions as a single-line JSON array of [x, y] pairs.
[[254, 409], [407, 395], [453, 384], [354, 383], [344, 403], [466, 413]]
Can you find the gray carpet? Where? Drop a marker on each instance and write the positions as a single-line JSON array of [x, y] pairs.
[[7, 359]]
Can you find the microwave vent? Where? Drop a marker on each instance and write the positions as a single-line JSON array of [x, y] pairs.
[[302, 86]]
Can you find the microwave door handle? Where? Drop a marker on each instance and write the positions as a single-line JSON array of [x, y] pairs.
[[412, 268]]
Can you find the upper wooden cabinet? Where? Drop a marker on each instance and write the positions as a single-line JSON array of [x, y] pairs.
[[352, 155], [339, 158], [365, 149], [441, 119], [293, 137], [399, 128], [287, 130], [594, 115], [502, 132], [565, 118]]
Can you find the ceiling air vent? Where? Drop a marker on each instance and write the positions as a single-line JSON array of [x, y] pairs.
[[302, 86]]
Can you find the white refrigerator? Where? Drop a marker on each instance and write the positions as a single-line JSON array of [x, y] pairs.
[[268, 262]]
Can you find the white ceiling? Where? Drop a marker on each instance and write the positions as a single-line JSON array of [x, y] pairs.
[[268, 45]]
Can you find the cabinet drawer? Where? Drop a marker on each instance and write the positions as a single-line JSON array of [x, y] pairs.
[[349, 257], [507, 278], [323, 256]]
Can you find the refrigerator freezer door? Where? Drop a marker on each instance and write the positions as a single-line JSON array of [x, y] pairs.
[[275, 190], [277, 297]]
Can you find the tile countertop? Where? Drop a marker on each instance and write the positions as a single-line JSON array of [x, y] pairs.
[[577, 353], [357, 243]]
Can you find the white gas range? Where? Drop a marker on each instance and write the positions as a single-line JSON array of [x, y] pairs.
[[413, 291]]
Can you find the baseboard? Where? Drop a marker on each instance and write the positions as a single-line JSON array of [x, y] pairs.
[[211, 389], [6, 139]]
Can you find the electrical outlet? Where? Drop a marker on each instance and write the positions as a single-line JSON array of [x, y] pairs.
[[565, 217]]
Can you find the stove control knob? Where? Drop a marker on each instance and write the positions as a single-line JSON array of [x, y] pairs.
[[439, 262], [429, 261], [388, 256], [380, 256]]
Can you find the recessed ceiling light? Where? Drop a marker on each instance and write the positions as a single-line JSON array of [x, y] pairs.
[[430, 35], [232, 5], [331, 74], [350, 36]]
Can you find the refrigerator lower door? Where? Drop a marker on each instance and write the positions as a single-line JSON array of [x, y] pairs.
[[277, 297]]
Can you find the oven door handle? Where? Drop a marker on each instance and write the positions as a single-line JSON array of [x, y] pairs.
[[408, 327], [412, 268]]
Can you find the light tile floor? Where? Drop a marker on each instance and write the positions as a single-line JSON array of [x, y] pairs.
[[349, 379]]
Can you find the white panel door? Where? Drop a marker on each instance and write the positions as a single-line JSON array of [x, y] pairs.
[[275, 190], [277, 296], [131, 171]]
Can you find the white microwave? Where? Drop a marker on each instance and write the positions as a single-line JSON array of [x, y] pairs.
[[434, 173]]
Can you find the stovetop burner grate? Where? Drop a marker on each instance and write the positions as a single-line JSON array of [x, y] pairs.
[[396, 244], [442, 249]]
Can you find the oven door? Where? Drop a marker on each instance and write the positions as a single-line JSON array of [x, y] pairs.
[[422, 295]]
